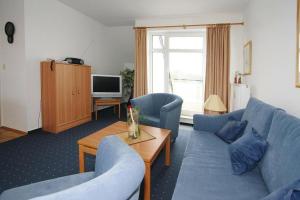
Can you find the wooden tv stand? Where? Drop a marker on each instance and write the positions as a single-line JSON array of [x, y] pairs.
[[108, 102]]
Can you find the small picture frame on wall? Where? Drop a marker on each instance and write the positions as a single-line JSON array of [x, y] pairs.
[[247, 54]]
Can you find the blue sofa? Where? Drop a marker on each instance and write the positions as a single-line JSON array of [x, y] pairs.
[[118, 174], [206, 172], [160, 110]]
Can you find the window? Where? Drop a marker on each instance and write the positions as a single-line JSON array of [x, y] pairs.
[[176, 65]]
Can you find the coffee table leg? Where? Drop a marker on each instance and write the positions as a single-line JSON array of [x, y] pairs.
[[147, 182], [81, 159], [168, 148]]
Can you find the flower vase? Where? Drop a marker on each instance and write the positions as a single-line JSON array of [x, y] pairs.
[[133, 123]]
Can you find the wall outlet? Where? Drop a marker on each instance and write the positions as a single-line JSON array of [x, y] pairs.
[[3, 66]]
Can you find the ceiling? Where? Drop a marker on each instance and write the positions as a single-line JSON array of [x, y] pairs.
[[124, 12]]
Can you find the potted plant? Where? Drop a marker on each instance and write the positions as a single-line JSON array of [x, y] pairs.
[[127, 79]]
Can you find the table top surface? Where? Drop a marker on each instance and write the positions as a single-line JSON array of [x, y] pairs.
[[148, 150]]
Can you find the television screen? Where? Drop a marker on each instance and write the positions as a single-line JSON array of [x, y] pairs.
[[106, 86]]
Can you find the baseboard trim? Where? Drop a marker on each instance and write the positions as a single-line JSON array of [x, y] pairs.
[[14, 130], [34, 130]]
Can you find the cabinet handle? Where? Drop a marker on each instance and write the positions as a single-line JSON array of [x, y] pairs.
[[78, 92], [73, 93]]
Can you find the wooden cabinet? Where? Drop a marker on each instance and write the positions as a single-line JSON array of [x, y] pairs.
[[66, 95]]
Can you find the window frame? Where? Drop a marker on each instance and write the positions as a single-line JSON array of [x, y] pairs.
[[166, 50]]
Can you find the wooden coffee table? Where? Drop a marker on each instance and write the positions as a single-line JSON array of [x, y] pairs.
[[148, 150]]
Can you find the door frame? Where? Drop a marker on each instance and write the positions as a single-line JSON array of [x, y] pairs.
[[165, 50]]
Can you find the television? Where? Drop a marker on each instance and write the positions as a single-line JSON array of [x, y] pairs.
[[106, 85]]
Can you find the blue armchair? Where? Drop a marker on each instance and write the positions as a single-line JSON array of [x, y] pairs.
[[118, 174], [160, 110]]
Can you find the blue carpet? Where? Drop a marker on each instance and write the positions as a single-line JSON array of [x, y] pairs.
[[40, 156]]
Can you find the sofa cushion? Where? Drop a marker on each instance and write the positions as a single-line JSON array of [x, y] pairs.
[[46, 187], [259, 116], [246, 152], [281, 163], [206, 143], [232, 130], [206, 174]]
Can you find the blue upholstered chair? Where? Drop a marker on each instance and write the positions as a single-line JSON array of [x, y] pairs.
[[160, 110], [118, 174]]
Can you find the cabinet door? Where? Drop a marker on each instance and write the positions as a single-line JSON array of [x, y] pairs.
[[65, 94], [83, 82], [86, 91]]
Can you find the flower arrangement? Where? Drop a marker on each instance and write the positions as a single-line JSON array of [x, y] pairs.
[[133, 122]]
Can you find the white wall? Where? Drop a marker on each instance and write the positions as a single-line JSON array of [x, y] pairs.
[[120, 48], [1, 67], [54, 30], [13, 77], [237, 36], [50, 29], [271, 25], [237, 32]]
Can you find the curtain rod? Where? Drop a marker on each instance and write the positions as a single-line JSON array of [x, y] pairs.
[[189, 25]]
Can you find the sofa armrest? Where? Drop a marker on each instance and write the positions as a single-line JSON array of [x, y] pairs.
[[170, 117], [213, 123], [170, 106], [170, 112]]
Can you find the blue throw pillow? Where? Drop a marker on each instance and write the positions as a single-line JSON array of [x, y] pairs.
[[247, 151], [293, 194], [232, 130], [289, 192]]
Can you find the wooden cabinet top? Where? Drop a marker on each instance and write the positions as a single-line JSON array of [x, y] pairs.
[[63, 63]]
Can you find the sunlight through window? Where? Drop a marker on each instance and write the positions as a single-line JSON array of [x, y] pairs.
[[177, 61]]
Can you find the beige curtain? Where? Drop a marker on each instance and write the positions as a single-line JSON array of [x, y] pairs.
[[140, 76], [217, 62]]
